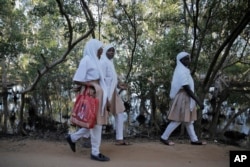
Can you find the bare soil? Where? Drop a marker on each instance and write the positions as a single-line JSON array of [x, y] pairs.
[[26, 152]]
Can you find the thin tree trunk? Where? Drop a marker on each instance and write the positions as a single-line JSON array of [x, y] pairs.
[[20, 125], [5, 109], [5, 97]]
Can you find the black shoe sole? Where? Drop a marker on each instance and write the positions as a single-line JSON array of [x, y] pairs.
[[71, 144], [166, 142], [99, 157]]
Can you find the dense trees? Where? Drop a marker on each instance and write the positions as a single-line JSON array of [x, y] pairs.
[[41, 45]]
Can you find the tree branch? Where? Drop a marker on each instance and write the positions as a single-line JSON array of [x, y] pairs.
[[212, 70], [71, 45]]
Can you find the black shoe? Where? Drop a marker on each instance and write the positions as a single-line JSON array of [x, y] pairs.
[[71, 144], [99, 157], [198, 143], [167, 142]]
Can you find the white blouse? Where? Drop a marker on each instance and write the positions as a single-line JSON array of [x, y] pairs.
[[87, 70]]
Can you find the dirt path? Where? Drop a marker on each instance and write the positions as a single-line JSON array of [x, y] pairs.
[[38, 153]]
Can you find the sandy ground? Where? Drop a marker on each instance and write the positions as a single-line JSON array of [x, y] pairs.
[[40, 153]]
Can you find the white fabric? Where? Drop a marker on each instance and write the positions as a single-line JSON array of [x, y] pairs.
[[95, 137], [173, 125], [169, 129], [191, 132], [110, 78], [119, 122], [83, 132], [89, 68], [109, 72], [180, 78]]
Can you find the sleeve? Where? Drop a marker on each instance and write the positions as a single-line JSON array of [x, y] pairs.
[[184, 79], [105, 70], [81, 72]]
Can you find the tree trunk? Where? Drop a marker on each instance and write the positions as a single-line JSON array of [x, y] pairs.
[[153, 114], [216, 110], [20, 125], [5, 109], [5, 97]]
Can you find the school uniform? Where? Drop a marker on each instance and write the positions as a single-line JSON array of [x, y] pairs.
[[183, 107], [116, 104], [90, 73]]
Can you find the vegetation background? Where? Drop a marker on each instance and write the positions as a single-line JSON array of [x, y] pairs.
[[41, 44]]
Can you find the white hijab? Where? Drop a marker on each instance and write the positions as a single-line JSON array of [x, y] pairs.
[[90, 51], [182, 77], [110, 64]]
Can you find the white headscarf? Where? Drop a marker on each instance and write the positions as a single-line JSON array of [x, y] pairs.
[[90, 52], [182, 77], [110, 64]]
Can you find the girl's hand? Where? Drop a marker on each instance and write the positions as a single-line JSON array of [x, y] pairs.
[[108, 105], [122, 86]]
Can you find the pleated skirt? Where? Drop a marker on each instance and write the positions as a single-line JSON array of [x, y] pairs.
[[180, 108], [116, 104]]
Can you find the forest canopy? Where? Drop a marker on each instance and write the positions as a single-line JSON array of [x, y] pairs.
[[41, 44]]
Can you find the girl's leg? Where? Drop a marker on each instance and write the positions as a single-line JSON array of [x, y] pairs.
[[96, 136], [191, 132], [83, 132], [119, 126], [169, 129]]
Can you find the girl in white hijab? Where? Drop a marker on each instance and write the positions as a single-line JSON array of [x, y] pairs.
[[116, 106], [89, 73], [183, 101]]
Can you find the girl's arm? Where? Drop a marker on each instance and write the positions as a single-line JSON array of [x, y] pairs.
[[191, 94]]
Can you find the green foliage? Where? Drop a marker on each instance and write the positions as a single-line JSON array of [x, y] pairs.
[[239, 68], [11, 30], [147, 35]]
